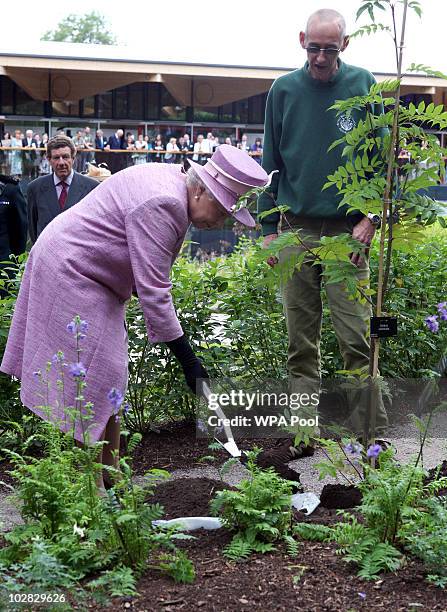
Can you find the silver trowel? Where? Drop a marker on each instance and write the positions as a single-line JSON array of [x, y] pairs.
[[230, 445]]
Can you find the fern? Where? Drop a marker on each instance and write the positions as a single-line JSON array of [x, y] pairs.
[[314, 533], [238, 549], [119, 582], [292, 546]]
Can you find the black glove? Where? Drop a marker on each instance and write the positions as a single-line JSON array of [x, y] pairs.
[[191, 365]]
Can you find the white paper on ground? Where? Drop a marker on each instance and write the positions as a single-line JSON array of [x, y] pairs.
[[190, 523], [305, 501]]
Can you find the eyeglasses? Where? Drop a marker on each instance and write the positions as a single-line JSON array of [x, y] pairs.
[[313, 50]]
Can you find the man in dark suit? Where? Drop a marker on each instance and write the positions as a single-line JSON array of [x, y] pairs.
[[117, 161], [50, 195], [29, 157], [13, 224]]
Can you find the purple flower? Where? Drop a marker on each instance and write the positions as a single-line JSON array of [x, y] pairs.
[[116, 398], [58, 358], [432, 323], [373, 451], [83, 327], [78, 370], [362, 595], [442, 310], [71, 327], [126, 408], [353, 450]]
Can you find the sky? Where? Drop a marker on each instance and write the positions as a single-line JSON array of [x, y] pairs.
[[234, 32]]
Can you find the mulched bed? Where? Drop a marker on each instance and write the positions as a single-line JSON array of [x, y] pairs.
[[176, 446], [186, 496], [317, 580]]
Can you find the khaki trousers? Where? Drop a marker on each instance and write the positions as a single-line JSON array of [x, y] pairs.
[[303, 309]]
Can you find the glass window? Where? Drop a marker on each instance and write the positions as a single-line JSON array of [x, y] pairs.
[[25, 105], [241, 111], [121, 102], [136, 101], [6, 95], [256, 108], [152, 101], [206, 114], [170, 109], [105, 105], [88, 109], [65, 109], [226, 112]]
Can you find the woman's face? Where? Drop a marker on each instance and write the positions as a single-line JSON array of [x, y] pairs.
[[203, 212]]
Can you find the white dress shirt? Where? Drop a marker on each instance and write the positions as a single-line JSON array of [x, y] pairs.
[[67, 181]]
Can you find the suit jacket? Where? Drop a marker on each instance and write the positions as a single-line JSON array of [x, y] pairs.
[[43, 203], [13, 223], [29, 155], [116, 143]]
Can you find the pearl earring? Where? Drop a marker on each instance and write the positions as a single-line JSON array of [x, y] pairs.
[[197, 197]]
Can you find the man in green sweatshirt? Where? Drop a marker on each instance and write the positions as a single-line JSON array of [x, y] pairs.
[[299, 129]]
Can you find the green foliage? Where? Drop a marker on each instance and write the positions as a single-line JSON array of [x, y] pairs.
[[259, 511], [89, 28], [313, 532], [71, 532], [425, 536]]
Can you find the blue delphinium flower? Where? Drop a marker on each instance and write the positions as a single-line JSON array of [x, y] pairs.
[[58, 358], [373, 451], [432, 323], [83, 326], [353, 450], [78, 370], [116, 398], [72, 327], [442, 310], [78, 327]]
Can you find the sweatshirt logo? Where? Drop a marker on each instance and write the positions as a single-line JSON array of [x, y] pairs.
[[345, 123]]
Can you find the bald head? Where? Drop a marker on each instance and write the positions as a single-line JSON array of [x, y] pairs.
[[327, 16]]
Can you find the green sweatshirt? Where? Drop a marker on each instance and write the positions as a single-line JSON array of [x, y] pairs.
[[299, 129]]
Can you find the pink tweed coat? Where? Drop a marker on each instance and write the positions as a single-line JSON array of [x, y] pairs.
[[124, 234]]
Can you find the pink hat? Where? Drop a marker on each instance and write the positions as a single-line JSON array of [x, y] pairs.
[[228, 174]]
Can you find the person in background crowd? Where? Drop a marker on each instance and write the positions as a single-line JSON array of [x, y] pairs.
[[215, 143], [184, 148], [44, 165], [140, 145], [243, 144], [171, 150], [158, 147], [188, 143], [89, 145], [48, 196], [29, 156], [257, 150], [201, 150], [130, 146], [116, 161], [148, 148], [5, 156], [209, 142], [13, 224], [228, 141], [144, 213], [100, 141], [16, 156], [79, 143]]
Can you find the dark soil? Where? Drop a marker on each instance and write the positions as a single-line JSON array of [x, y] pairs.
[[176, 446], [340, 496], [186, 496], [318, 580]]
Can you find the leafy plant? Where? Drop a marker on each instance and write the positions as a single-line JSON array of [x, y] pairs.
[[259, 511]]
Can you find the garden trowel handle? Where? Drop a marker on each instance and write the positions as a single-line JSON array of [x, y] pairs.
[[218, 410]]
